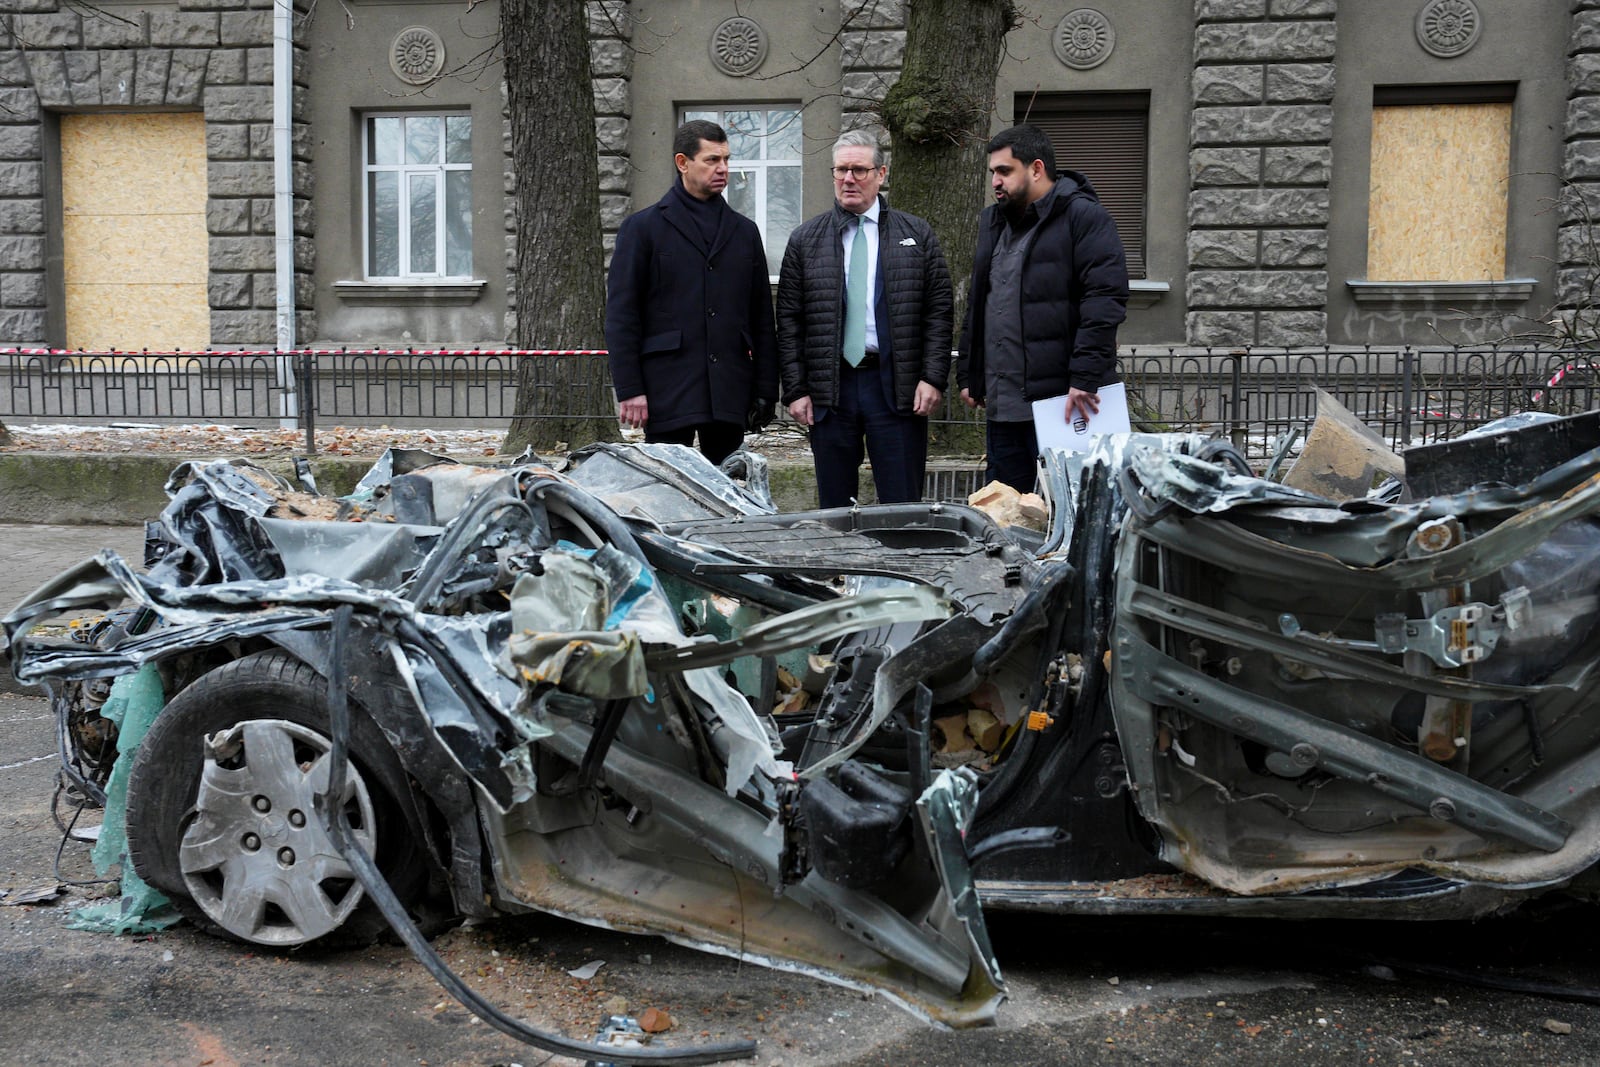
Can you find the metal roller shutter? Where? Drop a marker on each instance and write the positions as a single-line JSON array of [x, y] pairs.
[[1105, 136]]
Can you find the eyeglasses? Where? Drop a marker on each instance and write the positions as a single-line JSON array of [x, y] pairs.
[[857, 173]]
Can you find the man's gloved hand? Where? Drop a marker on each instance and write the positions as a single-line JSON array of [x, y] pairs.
[[761, 415]]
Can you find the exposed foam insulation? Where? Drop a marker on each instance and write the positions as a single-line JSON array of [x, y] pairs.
[[134, 240], [1437, 209]]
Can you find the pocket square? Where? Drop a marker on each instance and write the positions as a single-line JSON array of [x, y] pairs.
[[908, 240]]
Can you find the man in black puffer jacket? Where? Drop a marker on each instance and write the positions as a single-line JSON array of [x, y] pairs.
[[1049, 288], [864, 333]]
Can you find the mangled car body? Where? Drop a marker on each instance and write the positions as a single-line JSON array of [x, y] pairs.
[[632, 694]]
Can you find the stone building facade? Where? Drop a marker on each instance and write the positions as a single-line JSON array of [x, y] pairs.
[[1287, 172]]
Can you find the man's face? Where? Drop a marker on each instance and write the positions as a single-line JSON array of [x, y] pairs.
[[706, 175], [859, 185], [1015, 185]]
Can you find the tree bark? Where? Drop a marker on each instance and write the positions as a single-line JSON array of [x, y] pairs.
[[560, 278], [938, 115]]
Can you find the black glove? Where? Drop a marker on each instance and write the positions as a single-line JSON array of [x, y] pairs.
[[761, 415]]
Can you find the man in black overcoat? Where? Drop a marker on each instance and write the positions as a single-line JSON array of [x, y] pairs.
[[689, 309]]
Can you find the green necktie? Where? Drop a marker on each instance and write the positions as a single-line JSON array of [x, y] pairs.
[[855, 298]]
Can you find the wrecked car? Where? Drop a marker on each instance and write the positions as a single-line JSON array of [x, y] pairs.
[[632, 694]]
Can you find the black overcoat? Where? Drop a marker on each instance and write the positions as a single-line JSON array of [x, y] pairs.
[[689, 327]]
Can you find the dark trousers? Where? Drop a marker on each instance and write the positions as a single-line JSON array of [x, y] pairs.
[[896, 443], [718, 440], [1013, 454]]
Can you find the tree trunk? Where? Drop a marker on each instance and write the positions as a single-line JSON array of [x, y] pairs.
[[938, 115], [560, 282]]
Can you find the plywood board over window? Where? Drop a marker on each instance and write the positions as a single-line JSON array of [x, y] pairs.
[[1437, 208], [134, 240]]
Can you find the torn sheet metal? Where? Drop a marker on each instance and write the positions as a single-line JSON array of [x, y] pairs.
[[1270, 716], [1197, 673], [673, 483]]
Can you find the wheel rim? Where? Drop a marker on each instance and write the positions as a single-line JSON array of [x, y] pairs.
[[255, 856]]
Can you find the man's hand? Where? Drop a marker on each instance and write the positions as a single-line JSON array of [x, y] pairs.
[[966, 398], [634, 412], [760, 416], [1081, 405], [926, 399], [800, 411]]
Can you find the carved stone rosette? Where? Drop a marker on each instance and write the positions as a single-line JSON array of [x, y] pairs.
[[417, 55], [738, 45], [1448, 28], [1084, 38]]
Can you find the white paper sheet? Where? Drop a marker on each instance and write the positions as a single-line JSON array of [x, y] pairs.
[[1051, 426]]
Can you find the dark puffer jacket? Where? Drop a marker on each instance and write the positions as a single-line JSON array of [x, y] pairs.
[[1074, 295], [913, 304]]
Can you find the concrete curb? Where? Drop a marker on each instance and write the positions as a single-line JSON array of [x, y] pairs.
[[103, 489], [119, 489]]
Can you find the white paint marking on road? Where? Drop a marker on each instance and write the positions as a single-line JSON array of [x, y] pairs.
[[26, 762]]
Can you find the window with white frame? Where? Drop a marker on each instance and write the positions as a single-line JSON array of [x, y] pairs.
[[764, 169], [418, 188]]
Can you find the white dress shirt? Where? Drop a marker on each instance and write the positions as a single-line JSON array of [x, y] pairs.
[[867, 226]]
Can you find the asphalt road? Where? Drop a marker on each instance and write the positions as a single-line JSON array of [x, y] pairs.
[[1083, 991]]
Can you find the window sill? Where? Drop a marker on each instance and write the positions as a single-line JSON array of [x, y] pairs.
[[1143, 293], [423, 291], [1506, 295]]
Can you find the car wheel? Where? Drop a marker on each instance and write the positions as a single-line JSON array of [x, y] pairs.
[[221, 811]]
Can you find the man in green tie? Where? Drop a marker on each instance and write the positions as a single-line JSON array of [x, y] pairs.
[[864, 330]]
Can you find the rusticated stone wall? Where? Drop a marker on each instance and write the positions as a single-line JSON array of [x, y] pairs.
[[611, 68], [1578, 274], [213, 56], [1260, 158], [872, 46]]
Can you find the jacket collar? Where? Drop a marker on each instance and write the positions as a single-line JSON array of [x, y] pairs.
[[843, 218], [1052, 203], [678, 217]]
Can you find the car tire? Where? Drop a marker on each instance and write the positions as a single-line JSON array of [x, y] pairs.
[[234, 839]]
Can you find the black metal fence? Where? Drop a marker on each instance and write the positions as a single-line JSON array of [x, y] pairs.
[[1409, 395]]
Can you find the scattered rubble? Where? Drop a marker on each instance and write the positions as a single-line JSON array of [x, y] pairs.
[[1008, 507]]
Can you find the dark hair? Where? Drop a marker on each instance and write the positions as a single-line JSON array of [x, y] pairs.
[[1027, 143], [687, 140]]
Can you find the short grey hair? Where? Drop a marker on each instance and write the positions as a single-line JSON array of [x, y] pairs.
[[861, 139]]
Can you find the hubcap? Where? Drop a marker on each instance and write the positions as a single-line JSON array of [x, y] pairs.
[[255, 857]]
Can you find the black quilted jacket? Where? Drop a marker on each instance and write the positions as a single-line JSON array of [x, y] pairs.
[[913, 303], [1074, 295]]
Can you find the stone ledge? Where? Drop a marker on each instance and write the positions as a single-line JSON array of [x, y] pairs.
[[1143, 293], [1509, 294], [432, 292]]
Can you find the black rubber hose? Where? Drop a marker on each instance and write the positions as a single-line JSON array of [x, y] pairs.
[[372, 880], [1031, 616]]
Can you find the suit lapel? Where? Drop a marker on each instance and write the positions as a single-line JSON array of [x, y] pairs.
[[725, 223], [678, 219]]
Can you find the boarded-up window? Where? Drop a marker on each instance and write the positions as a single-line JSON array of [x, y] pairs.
[[1441, 156], [134, 241], [1106, 137]]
